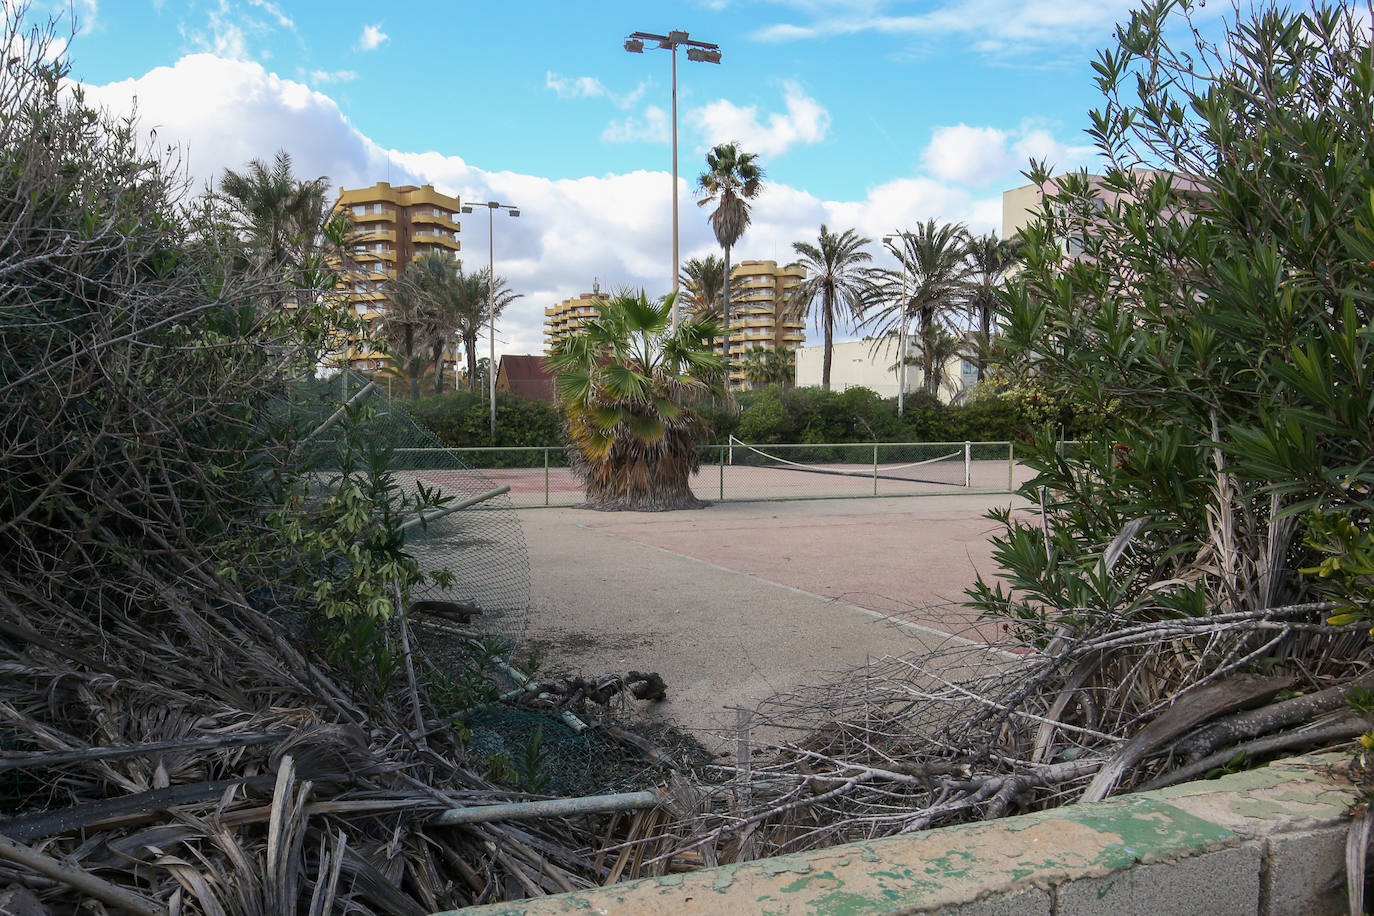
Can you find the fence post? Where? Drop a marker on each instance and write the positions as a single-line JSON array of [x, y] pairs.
[[875, 469], [546, 477], [1011, 466], [722, 474], [968, 465]]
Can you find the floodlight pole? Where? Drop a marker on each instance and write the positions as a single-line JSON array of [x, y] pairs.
[[901, 331], [492, 206], [701, 51]]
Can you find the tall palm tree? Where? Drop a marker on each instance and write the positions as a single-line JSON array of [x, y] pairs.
[[990, 261], [437, 279], [623, 380], [732, 179], [472, 316], [836, 279], [407, 326], [933, 257]]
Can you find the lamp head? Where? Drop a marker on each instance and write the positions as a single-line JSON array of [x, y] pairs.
[[703, 55], [634, 46], [465, 209]]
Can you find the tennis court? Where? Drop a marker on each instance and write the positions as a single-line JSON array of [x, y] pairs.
[[740, 472]]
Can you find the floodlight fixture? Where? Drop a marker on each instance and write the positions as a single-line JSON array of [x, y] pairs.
[[698, 52]]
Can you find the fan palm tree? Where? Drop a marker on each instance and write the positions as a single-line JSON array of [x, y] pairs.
[[836, 279], [990, 261], [622, 382], [732, 179], [933, 257]]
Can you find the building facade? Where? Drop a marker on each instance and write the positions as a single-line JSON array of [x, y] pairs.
[[760, 300], [872, 364], [567, 317], [391, 227]]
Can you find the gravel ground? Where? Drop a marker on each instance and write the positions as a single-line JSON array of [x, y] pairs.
[[738, 601]]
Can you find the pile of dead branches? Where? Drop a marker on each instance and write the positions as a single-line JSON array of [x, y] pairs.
[[972, 731]]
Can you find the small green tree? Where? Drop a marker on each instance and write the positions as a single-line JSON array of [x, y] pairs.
[[1218, 316], [623, 382]]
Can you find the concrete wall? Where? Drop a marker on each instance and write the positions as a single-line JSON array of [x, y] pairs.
[[1266, 842]]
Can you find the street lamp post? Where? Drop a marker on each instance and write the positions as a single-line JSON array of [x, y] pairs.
[[492, 206], [702, 52], [890, 241]]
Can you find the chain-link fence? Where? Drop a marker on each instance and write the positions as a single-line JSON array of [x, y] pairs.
[[739, 472], [474, 535]]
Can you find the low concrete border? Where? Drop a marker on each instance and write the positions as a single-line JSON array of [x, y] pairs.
[[1267, 842]]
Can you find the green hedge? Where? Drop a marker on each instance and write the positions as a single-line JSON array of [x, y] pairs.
[[766, 415]]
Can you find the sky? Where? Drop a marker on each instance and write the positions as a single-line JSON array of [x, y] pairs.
[[873, 115]]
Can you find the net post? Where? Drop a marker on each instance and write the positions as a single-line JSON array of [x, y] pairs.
[[875, 469], [546, 477], [1011, 466], [968, 465], [722, 472]]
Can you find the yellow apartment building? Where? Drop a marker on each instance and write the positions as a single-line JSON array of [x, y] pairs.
[[567, 317], [759, 293], [392, 226]]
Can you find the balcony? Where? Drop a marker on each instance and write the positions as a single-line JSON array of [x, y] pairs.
[[427, 218], [368, 236], [434, 238]]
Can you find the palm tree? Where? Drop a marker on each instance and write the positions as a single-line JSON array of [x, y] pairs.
[[703, 279], [837, 279], [279, 216], [732, 179], [763, 366], [623, 381], [407, 327], [437, 280], [933, 258], [990, 260], [471, 316]]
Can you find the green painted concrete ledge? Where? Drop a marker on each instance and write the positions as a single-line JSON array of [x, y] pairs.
[[1077, 859]]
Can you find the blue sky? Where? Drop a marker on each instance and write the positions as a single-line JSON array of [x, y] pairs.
[[866, 114]]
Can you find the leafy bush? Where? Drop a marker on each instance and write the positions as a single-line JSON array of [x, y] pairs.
[[1218, 323]]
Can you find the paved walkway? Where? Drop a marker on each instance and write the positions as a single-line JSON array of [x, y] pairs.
[[736, 602]]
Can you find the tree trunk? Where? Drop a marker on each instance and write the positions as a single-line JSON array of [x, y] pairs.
[[470, 348], [927, 345], [985, 341], [439, 368], [725, 319], [828, 326]]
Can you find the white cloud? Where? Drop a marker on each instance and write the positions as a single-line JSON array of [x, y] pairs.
[[275, 12], [372, 38], [333, 76], [614, 227], [979, 156], [994, 27], [805, 121], [589, 87], [651, 127]]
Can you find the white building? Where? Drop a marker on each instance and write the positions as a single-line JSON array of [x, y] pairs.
[[872, 364]]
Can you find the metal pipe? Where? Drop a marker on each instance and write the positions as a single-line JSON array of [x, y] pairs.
[[554, 807], [338, 414], [425, 518], [524, 682]]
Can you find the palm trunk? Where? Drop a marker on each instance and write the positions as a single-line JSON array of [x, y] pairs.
[[439, 368], [725, 319], [927, 356], [470, 348], [828, 326], [985, 341]]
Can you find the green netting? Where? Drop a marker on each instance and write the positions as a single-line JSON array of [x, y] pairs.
[[481, 545]]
